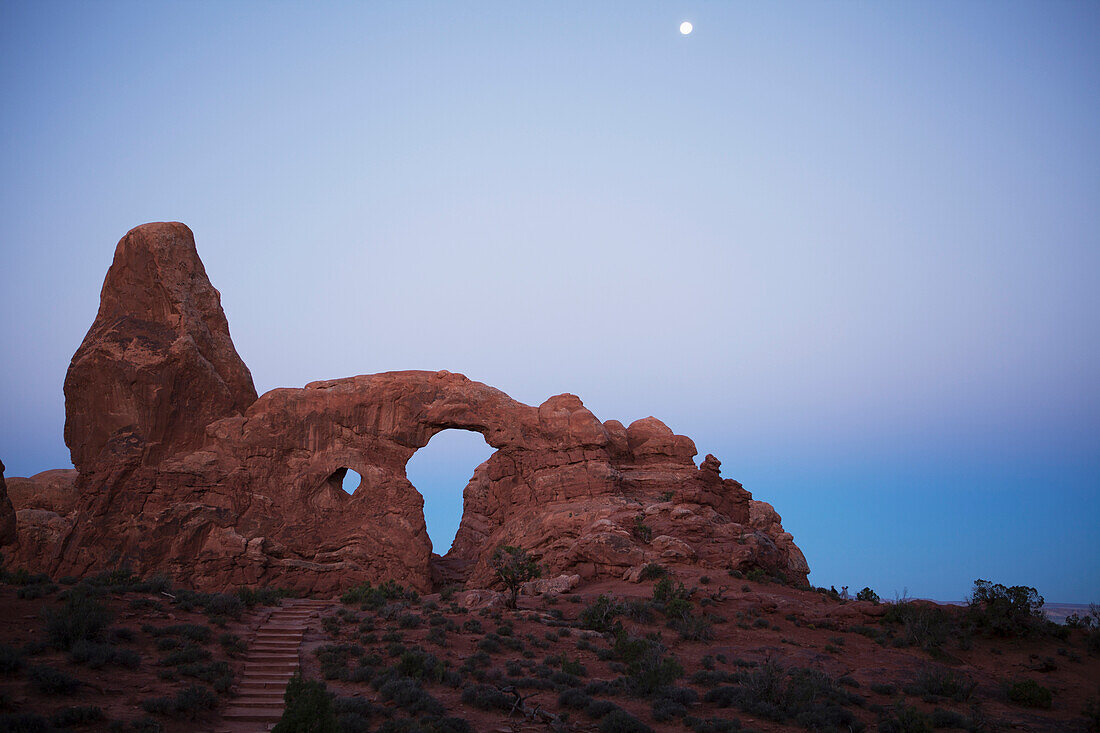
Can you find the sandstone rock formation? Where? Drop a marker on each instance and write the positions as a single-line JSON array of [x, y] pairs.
[[7, 513], [45, 509], [183, 470], [157, 365]]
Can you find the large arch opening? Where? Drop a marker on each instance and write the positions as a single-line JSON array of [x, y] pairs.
[[440, 471]]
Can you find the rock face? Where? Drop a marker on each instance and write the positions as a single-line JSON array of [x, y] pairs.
[[183, 470], [45, 509], [7, 513], [157, 365]]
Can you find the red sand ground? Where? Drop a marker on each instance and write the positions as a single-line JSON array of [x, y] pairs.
[[796, 628]]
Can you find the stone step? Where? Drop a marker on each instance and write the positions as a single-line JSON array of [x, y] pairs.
[[259, 715], [274, 667], [253, 700], [266, 658], [264, 678]]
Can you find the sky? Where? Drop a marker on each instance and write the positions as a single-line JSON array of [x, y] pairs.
[[851, 249]]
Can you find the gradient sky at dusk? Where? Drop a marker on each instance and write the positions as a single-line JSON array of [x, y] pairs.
[[850, 248]]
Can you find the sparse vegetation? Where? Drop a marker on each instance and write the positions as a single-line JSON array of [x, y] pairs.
[[513, 567], [1006, 612], [1029, 693], [308, 708]]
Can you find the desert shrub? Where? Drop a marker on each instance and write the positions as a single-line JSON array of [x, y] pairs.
[[192, 632], [694, 628], [375, 597], [233, 645], [95, 655], [24, 723], [22, 577], [641, 531], [426, 724], [672, 599], [620, 721], [600, 615], [308, 708], [216, 674], [263, 596], [868, 595], [52, 681], [940, 718], [409, 621], [186, 654], [472, 626], [933, 683], [664, 710], [922, 625], [487, 697], [648, 668], [421, 665], [38, 590], [712, 725], [904, 719], [408, 695], [224, 604], [513, 567], [575, 699], [11, 659], [653, 571], [80, 619], [78, 715], [883, 688], [809, 697], [1007, 612], [1029, 693]]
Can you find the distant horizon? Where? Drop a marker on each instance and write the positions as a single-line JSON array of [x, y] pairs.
[[849, 250]]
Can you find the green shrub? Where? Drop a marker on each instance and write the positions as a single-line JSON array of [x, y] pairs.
[[904, 719], [95, 655], [408, 695], [648, 668], [487, 697], [80, 619], [933, 683], [600, 615], [1006, 612], [308, 708], [82, 715], [11, 659], [24, 723], [513, 567], [374, 597], [186, 654], [641, 530], [653, 571], [620, 721], [922, 625], [50, 681], [712, 725], [263, 596], [1029, 693], [868, 595], [233, 645]]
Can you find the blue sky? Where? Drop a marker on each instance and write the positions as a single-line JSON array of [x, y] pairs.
[[849, 248]]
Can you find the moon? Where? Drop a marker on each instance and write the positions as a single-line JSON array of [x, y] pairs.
[[685, 28]]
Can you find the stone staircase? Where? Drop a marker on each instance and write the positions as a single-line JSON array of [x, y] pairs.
[[270, 663]]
